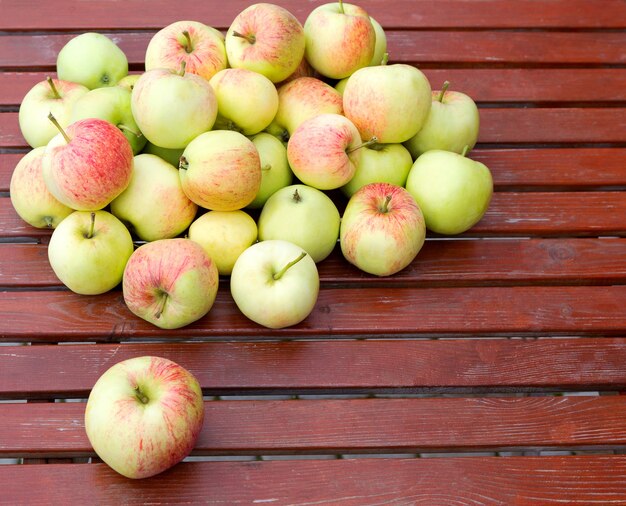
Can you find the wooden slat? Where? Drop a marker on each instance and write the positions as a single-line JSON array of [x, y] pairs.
[[380, 312], [364, 482], [291, 367]]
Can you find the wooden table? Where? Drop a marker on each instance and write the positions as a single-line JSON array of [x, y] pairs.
[[500, 354]]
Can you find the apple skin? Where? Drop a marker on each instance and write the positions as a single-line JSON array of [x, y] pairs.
[[171, 156], [274, 303], [452, 124], [144, 415], [381, 242], [323, 151], [272, 42], [246, 101], [154, 205], [128, 82], [30, 196], [304, 216], [40, 101], [390, 102], [453, 191], [204, 53], [113, 105], [380, 163], [224, 235], [339, 43], [275, 170], [90, 265], [172, 109], [93, 60], [90, 170], [170, 283], [381, 44], [221, 170]]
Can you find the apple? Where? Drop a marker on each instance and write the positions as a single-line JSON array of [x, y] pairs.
[[170, 282], [93, 60], [451, 125], [154, 206], [246, 101], [128, 82], [224, 235], [380, 163], [275, 170], [171, 156], [113, 105], [304, 216], [275, 284], [390, 102], [340, 39], [267, 39], [303, 69], [382, 229], [144, 415], [324, 150], [200, 46], [49, 96], [380, 48], [87, 165], [172, 108], [221, 170], [452, 190], [89, 250], [30, 196]]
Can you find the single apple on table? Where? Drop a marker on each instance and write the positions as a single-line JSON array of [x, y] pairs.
[[224, 235], [382, 229], [154, 206], [452, 190], [275, 170], [144, 415], [93, 60], [89, 250], [88, 164], [267, 39], [47, 97], [170, 282], [30, 196], [275, 284], [304, 216], [200, 46], [452, 124]]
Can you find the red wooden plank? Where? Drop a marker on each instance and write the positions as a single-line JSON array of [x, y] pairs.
[[290, 367], [379, 312], [354, 482]]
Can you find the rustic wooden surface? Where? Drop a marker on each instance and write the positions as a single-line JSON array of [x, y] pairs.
[[489, 352]]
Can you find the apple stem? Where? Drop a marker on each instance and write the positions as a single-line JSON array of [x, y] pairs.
[[280, 273], [141, 396], [188, 47], [183, 163], [55, 92], [385, 206], [250, 38], [128, 129], [267, 166], [465, 150], [58, 125], [341, 7], [385, 59], [296, 196], [373, 140], [49, 221], [159, 312], [444, 88], [183, 65], [92, 226]]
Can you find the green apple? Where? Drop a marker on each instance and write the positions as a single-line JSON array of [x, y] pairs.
[[390, 102], [382, 229], [154, 205], [453, 191], [452, 124], [246, 101], [89, 250], [304, 216], [128, 82], [224, 235], [170, 283], [380, 163], [113, 105], [275, 170], [30, 196], [275, 284], [171, 156], [93, 60], [380, 49]]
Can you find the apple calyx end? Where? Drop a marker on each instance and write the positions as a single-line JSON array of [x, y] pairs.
[[280, 273], [49, 221], [54, 89], [267, 166], [296, 196], [59, 127], [92, 225], [187, 45], [465, 151], [444, 88], [250, 38], [372, 141], [183, 163]]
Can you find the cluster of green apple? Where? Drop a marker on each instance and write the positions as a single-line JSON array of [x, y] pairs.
[[270, 116]]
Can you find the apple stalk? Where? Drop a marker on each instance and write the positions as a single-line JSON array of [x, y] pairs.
[[250, 38], [373, 140], [385, 207], [281, 272], [444, 88], [465, 150], [59, 127], [188, 47], [141, 397], [55, 92], [164, 297], [92, 226]]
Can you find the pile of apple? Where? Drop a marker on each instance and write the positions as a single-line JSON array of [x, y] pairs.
[[271, 117]]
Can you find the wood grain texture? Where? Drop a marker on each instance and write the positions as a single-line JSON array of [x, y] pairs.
[[400, 312], [489, 481], [292, 367]]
